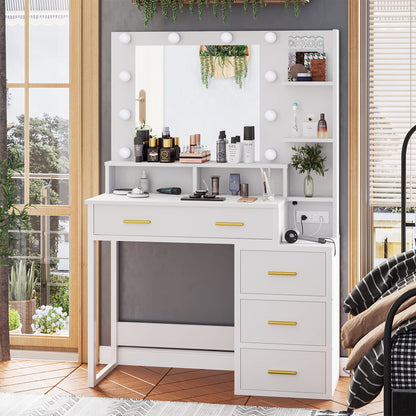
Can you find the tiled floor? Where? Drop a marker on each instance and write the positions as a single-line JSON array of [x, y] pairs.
[[154, 383]]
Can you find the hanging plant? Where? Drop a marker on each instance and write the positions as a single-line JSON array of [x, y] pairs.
[[224, 61], [149, 7]]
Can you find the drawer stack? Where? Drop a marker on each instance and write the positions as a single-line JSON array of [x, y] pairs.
[[284, 324]]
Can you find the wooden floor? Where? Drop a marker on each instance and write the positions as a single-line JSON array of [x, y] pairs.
[[154, 383]]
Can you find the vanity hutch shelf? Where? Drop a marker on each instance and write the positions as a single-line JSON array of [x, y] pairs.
[[285, 338]]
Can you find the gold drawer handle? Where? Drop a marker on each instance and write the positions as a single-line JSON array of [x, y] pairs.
[[282, 273], [230, 224], [137, 221], [287, 373], [282, 322]]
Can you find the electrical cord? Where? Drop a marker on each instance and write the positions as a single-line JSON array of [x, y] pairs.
[[319, 228]]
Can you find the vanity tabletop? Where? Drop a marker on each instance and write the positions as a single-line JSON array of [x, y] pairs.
[[175, 200]]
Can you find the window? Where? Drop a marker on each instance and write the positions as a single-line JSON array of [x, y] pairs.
[[42, 118], [391, 113]]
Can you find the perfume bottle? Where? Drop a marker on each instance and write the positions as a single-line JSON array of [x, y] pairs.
[[167, 152], [221, 148], [144, 182], [176, 147], [322, 127], [139, 145], [294, 129], [153, 151]]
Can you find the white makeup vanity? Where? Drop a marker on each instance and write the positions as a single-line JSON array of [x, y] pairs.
[[285, 338]]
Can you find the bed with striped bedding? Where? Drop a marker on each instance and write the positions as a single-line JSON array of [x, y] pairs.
[[367, 378]]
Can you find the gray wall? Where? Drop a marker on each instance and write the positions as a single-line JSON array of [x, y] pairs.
[[121, 15]]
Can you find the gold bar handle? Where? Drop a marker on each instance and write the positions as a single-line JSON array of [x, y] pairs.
[[137, 221], [287, 373], [270, 273], [282, 322], [230, 224]]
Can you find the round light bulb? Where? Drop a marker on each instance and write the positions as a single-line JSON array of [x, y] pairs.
[[226, 37], [270, 76], [270, 115], [270, 37], [125, 38], [124, 114], [174, 37], [270, 154], [125, 152], [125, 76]]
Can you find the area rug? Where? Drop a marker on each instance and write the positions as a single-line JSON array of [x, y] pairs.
[[20, 404]]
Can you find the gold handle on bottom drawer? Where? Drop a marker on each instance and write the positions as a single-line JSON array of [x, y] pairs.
[[284, 372], [270, 273], [137, 221], [282, 322], [230, 224]]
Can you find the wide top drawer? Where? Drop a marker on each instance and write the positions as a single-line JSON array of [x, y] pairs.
[[215, 222], [283, 273]]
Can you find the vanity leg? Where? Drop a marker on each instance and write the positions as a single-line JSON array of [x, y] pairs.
[[92, 312], [114, 315]]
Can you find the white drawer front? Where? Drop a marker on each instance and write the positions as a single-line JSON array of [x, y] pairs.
[[183, 222], [283, 273], [292, 371], [278, 322]]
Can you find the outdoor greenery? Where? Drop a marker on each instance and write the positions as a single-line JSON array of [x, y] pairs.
[[14, 319], [309, 159], [61, 298], [172, 7], [234, 55], [22, 282], [11, 217]]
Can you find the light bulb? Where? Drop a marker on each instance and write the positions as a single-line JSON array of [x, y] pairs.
[[124, 114], [270, 76], [125, 76], [125, 38], [125, 152], [270, 37], [174, 37], [226, 37], [270, 115], [270, 154]]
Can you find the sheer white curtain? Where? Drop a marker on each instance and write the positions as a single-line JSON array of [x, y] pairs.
[[41, 11]]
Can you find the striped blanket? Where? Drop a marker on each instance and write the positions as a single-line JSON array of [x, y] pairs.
[[390, 276]]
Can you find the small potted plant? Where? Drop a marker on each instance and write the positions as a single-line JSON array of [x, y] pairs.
[[22, 293], [15, 326], [309, 159], [224, 61], [49, 320]]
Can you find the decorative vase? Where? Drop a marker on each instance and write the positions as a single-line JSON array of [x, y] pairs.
[[308, 186]]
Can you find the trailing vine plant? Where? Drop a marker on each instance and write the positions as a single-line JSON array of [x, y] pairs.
[[149, 7], [295, 5], [235, 55]]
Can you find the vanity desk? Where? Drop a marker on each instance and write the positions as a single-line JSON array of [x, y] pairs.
[[285, 337]]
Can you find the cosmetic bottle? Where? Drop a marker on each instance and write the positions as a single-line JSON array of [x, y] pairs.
[[167, 152], [322, 128], [215, 185], [144, 182], [153, 150], [192, 143], [294, 129], [234, 150], [248, 151], [139, 141], [221, 148], [176, 147], [234, 183], [165, 133]]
